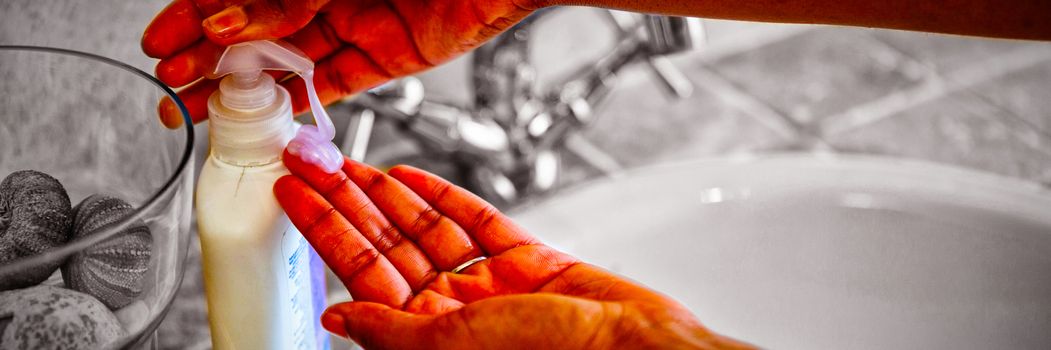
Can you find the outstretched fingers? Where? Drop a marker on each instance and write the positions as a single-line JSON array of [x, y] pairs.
[[518, 262], [494, 231], [444, 242], [367, 274], [358, 209]]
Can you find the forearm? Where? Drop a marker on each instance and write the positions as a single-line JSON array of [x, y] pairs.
[[1021, 19]]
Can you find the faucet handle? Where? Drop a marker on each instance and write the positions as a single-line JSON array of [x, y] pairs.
[[671, 78], [667, 34], [625, 23]]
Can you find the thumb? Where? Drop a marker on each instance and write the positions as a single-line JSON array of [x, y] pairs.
[[260, 19], [374, 325]]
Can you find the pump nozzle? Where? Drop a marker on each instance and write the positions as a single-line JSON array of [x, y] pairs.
[[248, 60]]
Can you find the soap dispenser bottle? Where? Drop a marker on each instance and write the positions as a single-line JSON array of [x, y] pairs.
[[264, 283]]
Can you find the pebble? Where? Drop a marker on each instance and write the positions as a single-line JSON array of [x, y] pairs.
[[48, 317]]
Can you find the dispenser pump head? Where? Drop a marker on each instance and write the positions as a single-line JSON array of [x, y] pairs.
[[247, 61]]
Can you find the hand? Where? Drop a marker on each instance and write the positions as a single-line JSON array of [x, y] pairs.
[[392, 238], [357, 44]]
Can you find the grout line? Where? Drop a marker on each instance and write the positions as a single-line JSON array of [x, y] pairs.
[[747, 40], [954, 81], [742, 41], [909, 62], [930, 72], [1011, 115], [726, 91]]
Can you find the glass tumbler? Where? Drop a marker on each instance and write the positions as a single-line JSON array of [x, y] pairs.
[[91, 123]]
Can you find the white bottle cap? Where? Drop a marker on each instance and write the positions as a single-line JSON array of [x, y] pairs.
[[250, 121], [248, 90]]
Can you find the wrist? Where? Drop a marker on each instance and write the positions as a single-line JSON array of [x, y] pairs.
[[678, 337], [673, 333]]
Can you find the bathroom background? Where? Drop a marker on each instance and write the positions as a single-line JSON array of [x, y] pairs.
[[760, 88]]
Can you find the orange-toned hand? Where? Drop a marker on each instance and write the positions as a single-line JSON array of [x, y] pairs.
[[393, 238], [358, 44]]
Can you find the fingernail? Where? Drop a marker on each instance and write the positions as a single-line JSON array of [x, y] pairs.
[[333, 322], [227, 22], [170, 115]]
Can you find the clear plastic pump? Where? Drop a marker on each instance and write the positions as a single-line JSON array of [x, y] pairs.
[[247, 61]]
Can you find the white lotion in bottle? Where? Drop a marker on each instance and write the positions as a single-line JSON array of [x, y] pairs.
[[264, 283]]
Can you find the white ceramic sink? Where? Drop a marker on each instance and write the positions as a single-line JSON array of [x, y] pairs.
[[811, 252]]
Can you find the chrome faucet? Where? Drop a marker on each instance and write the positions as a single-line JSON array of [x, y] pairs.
[[511, 138]]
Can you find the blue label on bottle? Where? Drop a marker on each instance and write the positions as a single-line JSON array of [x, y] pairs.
[[306, 292], [317, 273]]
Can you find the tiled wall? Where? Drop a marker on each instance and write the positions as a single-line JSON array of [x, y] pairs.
[[978, 103]]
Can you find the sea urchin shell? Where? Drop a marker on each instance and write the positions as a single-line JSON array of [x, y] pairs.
[[34, 217], [111, 270]]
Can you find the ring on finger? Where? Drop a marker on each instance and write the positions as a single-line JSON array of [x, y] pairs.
[[467, 264]]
